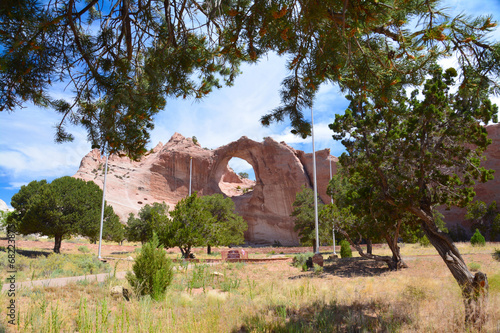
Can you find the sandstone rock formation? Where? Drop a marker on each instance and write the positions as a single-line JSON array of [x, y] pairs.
[[266, 204], [3, 206], [486, 192], [163, 175]]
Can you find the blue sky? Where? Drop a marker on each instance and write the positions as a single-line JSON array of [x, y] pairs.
[[28, 151]]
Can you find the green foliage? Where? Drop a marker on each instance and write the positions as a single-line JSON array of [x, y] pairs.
[[152, 271], [359, 209], [57, 265], [227, 227], [112, 229], [484, 217], [83, 249], [122, 77], [424, 241], [299, 260], [494, 283], [151, 218], [477, 239], [243, 175], [303, 213], [474, 266], [496, 254], [3, 219], [124, 74], [441, 127], [190, 225], [345, 249], [67, 206], [317, 269]]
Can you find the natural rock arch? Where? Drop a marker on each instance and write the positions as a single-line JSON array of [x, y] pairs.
[[163, 175]]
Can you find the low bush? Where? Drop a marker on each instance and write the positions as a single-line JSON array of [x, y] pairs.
[[496, 254], [300, 259], [345, 249], [477, 239], [317, 269], [424, 241], [83, 249], [152, 271], [474, 266]]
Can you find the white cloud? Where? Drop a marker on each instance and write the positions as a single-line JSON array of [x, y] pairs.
[[228, 113], [15, 185], [28, 150]]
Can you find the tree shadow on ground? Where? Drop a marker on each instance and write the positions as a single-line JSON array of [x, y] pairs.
[[354, 267], [33, 254], [360, 316], [122, 252], [348, 267]]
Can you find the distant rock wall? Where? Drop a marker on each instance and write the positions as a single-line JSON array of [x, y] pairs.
[[487, 192], [266, 204], [163, 175]]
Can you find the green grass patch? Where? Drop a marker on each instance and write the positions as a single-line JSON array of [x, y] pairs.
[[54, 265], [494, 283]]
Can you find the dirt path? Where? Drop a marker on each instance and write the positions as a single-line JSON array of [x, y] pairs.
[[59, 282]]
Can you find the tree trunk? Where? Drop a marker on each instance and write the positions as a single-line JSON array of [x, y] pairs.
[[474, 287], [209, 249], [397, 260], [57, 243], [186, 252], [388, 260], [369, 246]]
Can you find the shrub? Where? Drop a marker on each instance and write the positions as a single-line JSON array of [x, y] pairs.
[[345, 249], [83, 249], [424, 241], [153, 272], [477, 239], [474, 266], [300, 259], [317, 269], [496, 255]]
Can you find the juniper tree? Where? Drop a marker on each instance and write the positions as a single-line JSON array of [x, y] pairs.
[[227, 227], [423, 151], [124, 58], [150, 219], [484, 217], [66, 206], [189, 225], [303, 215]]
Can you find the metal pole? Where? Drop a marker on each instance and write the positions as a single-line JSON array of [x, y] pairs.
[[333, 229], [190, 174], [103, 206], [315, 184]]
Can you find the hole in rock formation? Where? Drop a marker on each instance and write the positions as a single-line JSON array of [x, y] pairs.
[[239, 180]]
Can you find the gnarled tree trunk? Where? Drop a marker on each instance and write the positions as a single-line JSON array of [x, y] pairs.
[[474, 287], [397, 259]]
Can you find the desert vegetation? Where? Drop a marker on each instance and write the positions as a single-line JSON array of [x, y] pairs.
[[349, 295], [404, 154]]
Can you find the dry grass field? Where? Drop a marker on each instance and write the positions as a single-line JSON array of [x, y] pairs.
[[348, 295]]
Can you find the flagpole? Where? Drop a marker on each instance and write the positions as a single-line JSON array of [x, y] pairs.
[[315, 184], [190, 174], [333, 229], [103, 206]]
